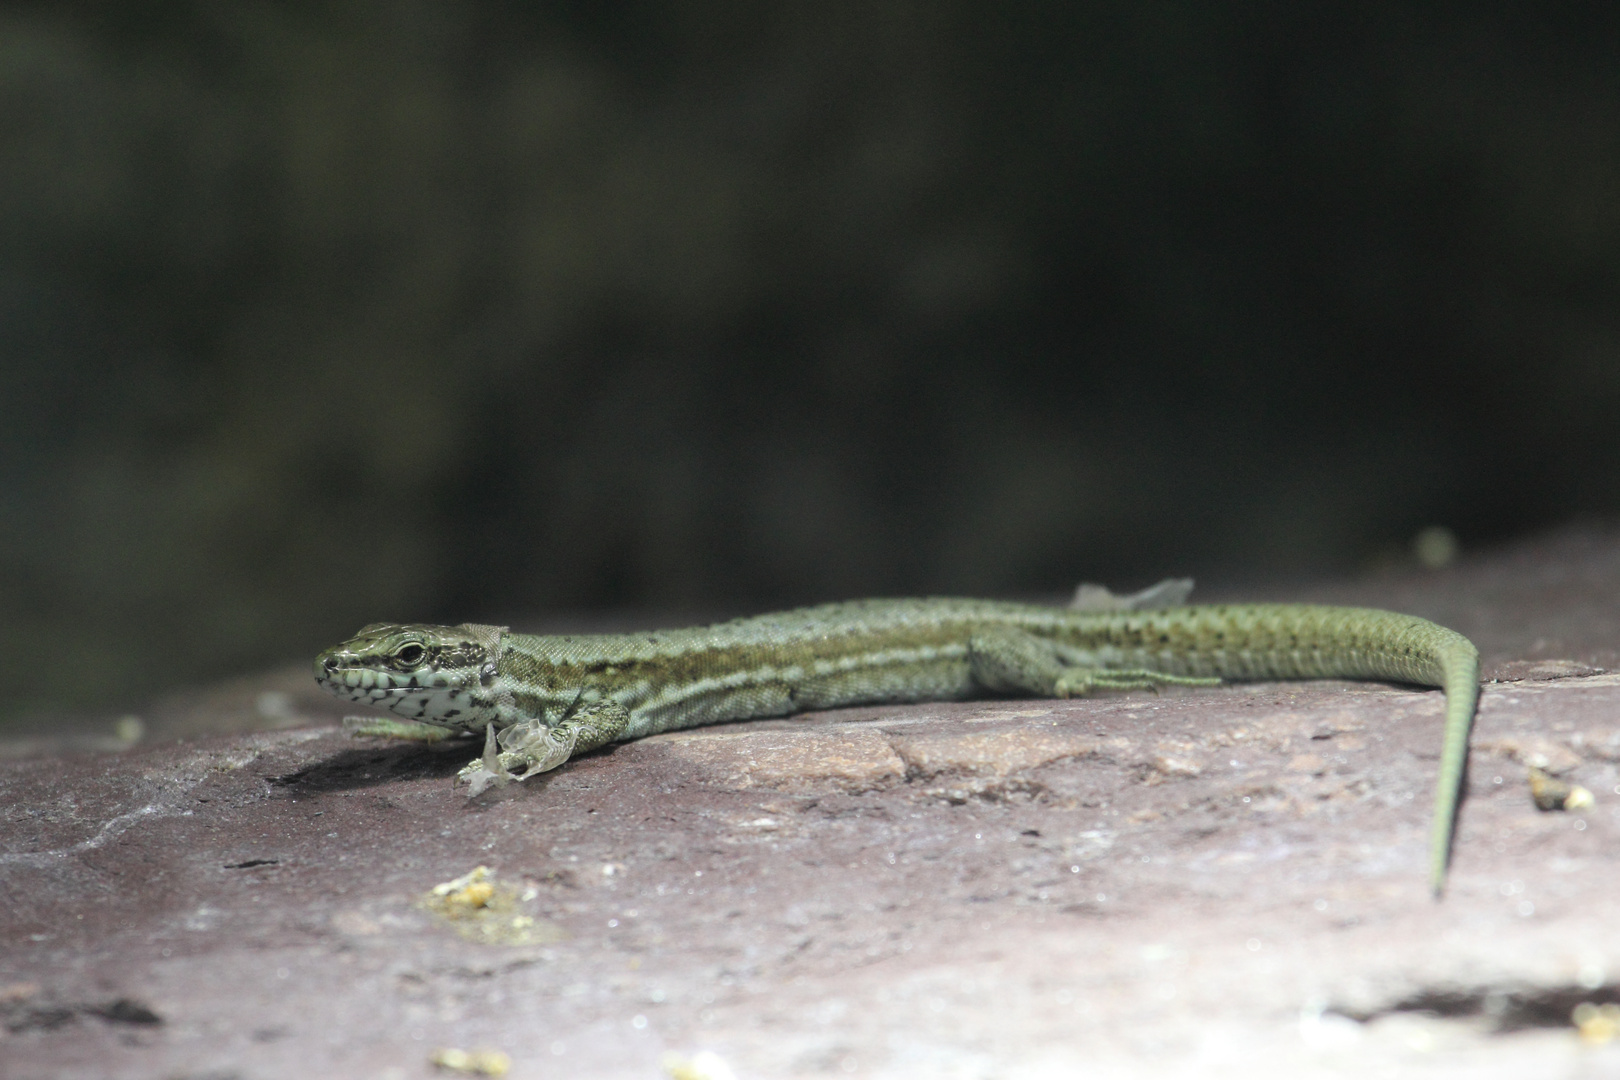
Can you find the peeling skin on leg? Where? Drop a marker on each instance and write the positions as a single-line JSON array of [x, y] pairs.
[[536, 746], [530, 746]]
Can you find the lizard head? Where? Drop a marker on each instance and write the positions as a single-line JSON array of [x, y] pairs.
[[435, 674]]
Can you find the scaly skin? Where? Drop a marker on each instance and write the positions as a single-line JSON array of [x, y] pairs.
[[539, 700]]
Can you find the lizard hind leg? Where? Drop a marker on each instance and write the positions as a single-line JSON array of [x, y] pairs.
[[1015, 662], [1082, 681]]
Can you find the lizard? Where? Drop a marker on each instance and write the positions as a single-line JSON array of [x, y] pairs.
[[540, 700]]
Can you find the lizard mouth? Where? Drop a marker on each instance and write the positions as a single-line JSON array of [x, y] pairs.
[[375, 686], [354, 681], [334, 674]]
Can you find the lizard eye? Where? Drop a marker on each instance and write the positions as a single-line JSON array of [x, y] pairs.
[[410, 654]]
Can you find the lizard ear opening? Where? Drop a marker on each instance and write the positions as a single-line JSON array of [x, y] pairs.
[[487, 636]]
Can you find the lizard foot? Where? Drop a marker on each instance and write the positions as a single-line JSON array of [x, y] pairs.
[[1078, 682]]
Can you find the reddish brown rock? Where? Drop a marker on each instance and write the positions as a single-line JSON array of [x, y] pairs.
[[1220, 882]]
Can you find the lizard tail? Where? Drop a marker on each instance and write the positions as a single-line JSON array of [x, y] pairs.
[[1458, 661], [1303, 641]]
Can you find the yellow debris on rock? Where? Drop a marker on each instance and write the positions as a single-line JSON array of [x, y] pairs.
[[1597, 1024], [704, 1065], [1550, 793], [482, 909], [472, 1062]]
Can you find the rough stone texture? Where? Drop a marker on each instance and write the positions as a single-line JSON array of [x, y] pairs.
[[1220, 882]]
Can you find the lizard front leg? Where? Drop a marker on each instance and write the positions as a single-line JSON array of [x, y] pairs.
[[533, 747]]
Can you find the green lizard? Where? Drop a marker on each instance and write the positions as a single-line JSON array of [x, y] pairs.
[[540, 700]]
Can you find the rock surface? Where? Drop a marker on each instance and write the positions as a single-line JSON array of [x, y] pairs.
[[1220, 882]]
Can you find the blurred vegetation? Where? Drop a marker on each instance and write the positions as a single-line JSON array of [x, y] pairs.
[[316, 314]]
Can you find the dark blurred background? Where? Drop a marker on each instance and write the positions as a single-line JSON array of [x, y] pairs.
[[318, 314]]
